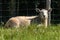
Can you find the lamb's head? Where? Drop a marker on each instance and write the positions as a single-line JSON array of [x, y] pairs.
[[43, 13]]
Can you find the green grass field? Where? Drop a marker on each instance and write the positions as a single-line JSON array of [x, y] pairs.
[[30, 33]]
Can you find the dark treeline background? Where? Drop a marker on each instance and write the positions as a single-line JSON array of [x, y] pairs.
[[10, 8]]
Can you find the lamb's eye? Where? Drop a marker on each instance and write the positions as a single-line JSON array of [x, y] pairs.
[[42, 13]]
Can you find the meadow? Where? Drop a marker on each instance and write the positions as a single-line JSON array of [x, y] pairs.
[[30, 33]]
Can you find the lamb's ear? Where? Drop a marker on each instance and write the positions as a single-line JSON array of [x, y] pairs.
[[50, 10], [38, 10]]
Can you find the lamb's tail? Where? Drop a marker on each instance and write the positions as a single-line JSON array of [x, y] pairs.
[[7, 24]]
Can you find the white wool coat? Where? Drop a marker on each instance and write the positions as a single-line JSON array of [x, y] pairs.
[[19, 21]]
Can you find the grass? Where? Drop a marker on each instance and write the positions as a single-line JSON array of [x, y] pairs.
[[30, 33]]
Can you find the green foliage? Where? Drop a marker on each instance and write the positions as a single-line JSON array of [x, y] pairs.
[[30, 33]]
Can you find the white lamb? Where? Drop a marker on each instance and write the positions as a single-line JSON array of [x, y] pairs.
[[27, 20], [19, 21]]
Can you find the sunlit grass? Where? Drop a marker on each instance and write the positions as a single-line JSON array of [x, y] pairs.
[[30, 33]]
